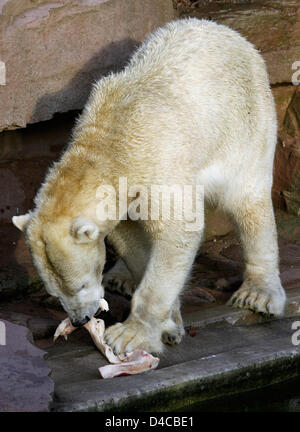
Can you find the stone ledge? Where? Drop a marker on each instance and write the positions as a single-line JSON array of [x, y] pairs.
[[224, 356], [251, 359]]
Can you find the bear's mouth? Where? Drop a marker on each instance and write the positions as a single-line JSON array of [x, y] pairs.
[[98, 313], [103, 307], [87, 319], [80, 323]]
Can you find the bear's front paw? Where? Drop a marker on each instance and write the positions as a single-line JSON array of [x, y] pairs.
[[133, 334]]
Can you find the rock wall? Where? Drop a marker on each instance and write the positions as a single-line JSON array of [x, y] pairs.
[[53, 50]]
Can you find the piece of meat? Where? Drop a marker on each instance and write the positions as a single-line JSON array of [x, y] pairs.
[[65, 328], [127, 364], [135, 362], [96, 328]]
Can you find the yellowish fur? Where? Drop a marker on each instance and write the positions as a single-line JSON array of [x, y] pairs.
[[193, 106]]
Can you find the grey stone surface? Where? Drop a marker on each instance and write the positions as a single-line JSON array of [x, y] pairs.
[[54, 50], [224, 357], [216, 362], [224, 314], [25, 384]]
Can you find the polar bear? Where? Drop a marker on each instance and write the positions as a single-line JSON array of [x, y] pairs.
[[193, 106]]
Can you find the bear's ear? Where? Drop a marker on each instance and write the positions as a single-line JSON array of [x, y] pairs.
[[84, 230], [21, 221]]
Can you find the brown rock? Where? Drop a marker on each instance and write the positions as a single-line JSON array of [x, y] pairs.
[[54, 50], [292, 117], [198, 295], [289, 229], [286, 187], [283, 96], [289, 254], [234, 253], [286, 171], [290, 278]]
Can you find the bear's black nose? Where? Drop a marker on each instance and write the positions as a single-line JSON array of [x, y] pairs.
[[79, 323], [99, 313]]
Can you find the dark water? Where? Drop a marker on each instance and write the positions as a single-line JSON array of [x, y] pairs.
[[283, 397]]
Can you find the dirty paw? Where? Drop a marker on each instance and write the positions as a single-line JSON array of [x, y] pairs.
[[174, 336], [262, 300], [131, 335], [116, 283]]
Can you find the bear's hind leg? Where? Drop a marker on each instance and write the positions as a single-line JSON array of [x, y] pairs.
[[132, 244], [173, 334], [119, 279], [261, 290]]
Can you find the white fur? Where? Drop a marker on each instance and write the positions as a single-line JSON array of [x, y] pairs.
[[193, 106]]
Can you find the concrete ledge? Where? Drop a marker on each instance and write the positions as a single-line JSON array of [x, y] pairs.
[[222, 358], [240, 367]]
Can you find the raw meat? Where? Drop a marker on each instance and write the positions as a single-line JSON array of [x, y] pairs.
[[127, 364]]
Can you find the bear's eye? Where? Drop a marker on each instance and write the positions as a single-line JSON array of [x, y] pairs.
[[81, 287]]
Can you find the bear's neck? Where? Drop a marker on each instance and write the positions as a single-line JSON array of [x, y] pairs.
[[76, 185]]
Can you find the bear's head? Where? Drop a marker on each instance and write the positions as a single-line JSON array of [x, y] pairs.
[[69, 256]]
